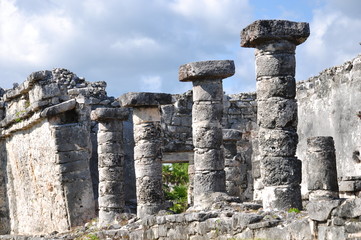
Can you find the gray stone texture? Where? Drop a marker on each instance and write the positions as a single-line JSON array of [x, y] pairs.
[[110, 164], [207, 112], [264, 31], [140, 99], [234, 166], [327, 106], [217, 69], [275, 42], [148, 154], [321, 160]]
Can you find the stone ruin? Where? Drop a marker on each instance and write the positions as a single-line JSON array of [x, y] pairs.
[[281, 163]]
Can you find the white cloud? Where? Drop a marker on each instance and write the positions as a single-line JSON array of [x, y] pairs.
[[334, 37], [151, 84]]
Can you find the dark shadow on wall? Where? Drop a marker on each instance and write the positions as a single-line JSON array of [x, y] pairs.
[[4, 201]]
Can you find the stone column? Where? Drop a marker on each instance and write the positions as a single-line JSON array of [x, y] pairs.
[[321, 168], [209, 176], [234, 175], [147, 151], [275, 42], [110, 162]]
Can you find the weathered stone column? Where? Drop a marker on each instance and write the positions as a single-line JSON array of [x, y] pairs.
[[275, 42], [321, 168], [207, 113], [234, 175], [147, 150], [110, 162]]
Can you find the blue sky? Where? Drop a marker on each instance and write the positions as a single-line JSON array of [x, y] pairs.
[[138, 45]]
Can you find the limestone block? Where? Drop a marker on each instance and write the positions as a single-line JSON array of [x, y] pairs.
[[351, 208], [149, 190], [65, 157], [144, 99], [39, 92], [230, 149], [106, 114], [80, 200], [147, 131], [263, 31], [208, 181], [217, 69], [233, 189], [59, 108], [109, 137], [111, 174], [275, 65], [207, 136], [71, 137], [231, 135], [110, 201], [110, 148], [277, 142], [110, 126], [277, 113], [282, 197], [145, 115], [331, 232], [321, 210], [208, 159], [281, 171], [282, 86], [153, 170], [233, 174], [75, 165], [320, 144], [110, 159], [321, 175], [147, 149], [207, 90], [148, 209], [111, 188], [207, 111]]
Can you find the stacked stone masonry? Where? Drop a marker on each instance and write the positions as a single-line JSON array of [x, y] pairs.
[[275, 42], [59, 165], [148, 149], [207, 110], [110, 162]]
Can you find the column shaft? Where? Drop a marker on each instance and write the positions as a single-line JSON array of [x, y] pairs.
[[275, 42], [321, 168]]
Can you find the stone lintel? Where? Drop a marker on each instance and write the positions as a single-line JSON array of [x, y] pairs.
[[104, 114], [231, 135], [206, 70], [144, 99], [263, 31], [59, 108]]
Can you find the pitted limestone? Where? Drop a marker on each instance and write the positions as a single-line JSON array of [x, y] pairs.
[[209, 176], [148, 149], [321, 166], [275, 42]]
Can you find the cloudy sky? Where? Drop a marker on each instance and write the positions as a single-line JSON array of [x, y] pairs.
[[138, 45]]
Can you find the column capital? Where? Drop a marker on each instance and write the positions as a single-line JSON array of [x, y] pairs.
[[144, 99], [206, 70], [105, 114], [264, 31]]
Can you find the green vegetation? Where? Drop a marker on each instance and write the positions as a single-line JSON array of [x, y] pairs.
[[89, 236], [295, 210], [175, 185]]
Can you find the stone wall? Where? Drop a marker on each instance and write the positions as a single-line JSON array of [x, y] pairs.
[[239, 112], [45, 181], [328, 106]]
